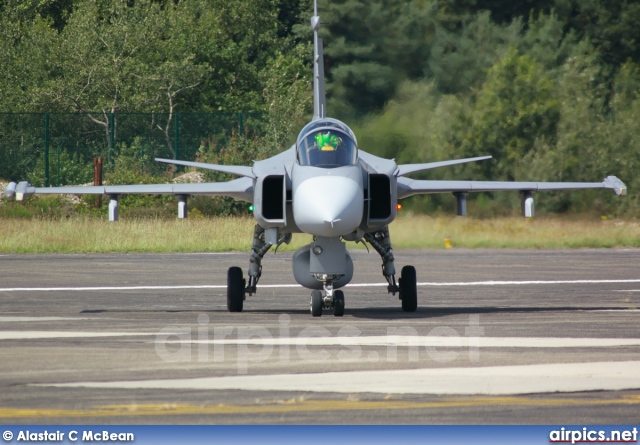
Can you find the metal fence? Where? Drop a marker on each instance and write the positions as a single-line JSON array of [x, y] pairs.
[[49, 142]]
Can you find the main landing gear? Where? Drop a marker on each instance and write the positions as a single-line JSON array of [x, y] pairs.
[[408, 289], [407, 286], [237, 287], [331, 300], [328, 298]]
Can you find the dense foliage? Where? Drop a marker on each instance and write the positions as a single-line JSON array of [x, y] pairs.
[[549, 88]]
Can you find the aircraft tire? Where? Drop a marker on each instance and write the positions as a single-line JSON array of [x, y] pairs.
[[338, 303], [408, 284], [235, 289], [316, 303]]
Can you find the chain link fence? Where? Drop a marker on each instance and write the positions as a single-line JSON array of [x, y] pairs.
[[45, 146]]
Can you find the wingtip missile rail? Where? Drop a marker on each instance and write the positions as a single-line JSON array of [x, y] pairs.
[[613, 182]]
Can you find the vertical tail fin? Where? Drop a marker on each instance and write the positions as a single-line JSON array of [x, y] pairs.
[[319, 102]]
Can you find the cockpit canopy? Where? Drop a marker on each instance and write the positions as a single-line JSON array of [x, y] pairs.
[[327, 143]]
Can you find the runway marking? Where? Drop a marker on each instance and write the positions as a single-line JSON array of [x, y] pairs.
[[295, 406], [379, 340], [519, 283], [31, 335], [28, 319], [108, 288], [428, 341], [200, 253], [617, 310], [269, 286], [490, 380]]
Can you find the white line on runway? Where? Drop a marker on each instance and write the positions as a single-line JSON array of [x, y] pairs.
[[108, 288], [204, 253], [518, 283], [31, 335], [617, 311], [427, 341], [491, 380], [267, 286], [386, 340], [28, 319]]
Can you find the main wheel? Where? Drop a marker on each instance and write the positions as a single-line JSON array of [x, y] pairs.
[[235, 289], [408, 289], [338, 303], [316, 303]]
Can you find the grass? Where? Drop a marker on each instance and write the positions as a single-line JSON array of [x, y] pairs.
[[143, 235], [514, 232], [83, 234]]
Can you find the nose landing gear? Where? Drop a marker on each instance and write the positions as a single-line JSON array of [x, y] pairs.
[[331, 300], [338, 303]]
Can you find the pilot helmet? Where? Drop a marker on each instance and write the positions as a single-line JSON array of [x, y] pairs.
[[327, 141]]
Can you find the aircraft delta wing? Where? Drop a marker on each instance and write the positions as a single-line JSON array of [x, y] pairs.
[[408, 187], [240, 189], [325, 186]]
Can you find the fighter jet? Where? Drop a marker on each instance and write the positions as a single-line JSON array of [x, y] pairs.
[[326, 186]]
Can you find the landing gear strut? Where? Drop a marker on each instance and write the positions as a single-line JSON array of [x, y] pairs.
[[258, 250], [381, 242], [331, 300], [407, 285], [237, 287]]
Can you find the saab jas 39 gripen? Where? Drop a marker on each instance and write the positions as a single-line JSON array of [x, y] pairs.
[[324, 185]]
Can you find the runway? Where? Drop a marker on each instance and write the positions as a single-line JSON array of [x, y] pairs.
[[500, 336]]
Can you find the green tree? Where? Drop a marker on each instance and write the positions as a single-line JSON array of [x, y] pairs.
[[28, 49], [55, 12], [460, 59], [66, 168], [115, 57], [611, 27], [515, 106], [287, 92], [370, 47]]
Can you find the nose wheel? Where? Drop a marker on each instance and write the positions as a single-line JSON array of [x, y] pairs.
[[338, 303], [316, 303], [333, 300]]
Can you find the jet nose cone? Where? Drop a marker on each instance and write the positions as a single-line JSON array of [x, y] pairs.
[[328, 205]]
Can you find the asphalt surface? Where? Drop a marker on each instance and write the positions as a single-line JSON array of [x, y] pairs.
[[500, 336]]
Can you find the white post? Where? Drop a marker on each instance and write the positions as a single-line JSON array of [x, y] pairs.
[[113, 208], [461, 203], [527, 204], [182, 206]]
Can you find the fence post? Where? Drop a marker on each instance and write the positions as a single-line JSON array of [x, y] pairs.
[[97, 178], [176, 136], [59, 149], [112, 125], [46, 150]]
